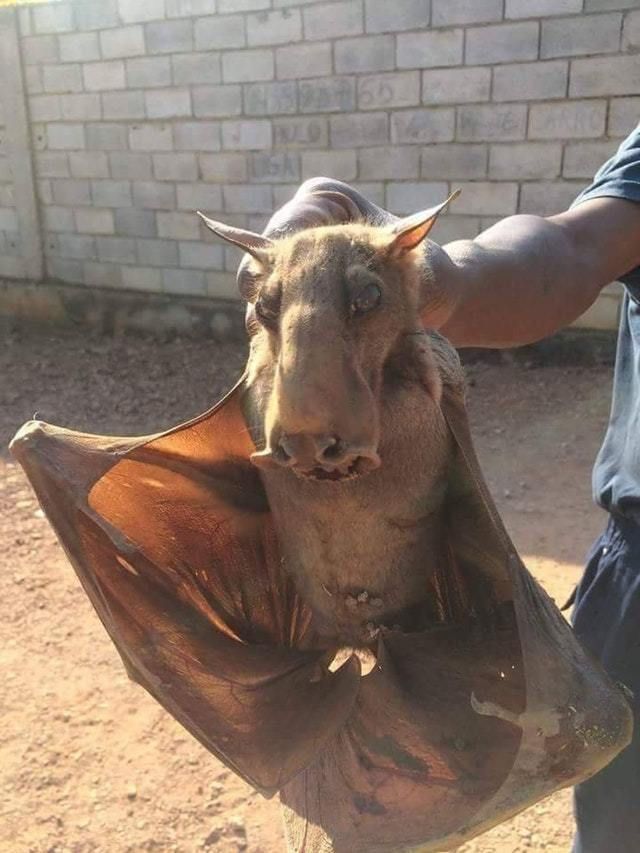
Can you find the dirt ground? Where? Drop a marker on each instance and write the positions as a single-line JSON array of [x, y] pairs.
[[88, 761]]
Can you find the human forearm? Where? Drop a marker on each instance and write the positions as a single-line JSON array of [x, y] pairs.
[[527, 277]]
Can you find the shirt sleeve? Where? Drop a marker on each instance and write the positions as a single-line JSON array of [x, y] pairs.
[[619, 177]]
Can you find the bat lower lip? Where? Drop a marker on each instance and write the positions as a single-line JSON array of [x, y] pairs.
[[323, 475]]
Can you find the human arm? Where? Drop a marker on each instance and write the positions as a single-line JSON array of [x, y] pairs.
[[527, 276]]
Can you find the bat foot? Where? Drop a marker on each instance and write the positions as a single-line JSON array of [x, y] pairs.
[[363, 599]]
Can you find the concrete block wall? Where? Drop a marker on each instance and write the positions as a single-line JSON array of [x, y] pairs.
[[144, 110]]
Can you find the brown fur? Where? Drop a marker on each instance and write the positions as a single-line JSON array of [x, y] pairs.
[[378, 377]]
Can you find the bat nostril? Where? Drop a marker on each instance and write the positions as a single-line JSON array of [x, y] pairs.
[[330, 449]]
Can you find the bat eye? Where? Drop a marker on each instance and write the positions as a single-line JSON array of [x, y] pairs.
[[368, 299], [267, 312]]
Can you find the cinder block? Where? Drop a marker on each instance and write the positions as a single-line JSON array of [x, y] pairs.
[[123, 105], [52, 164], [175, 167], [216, 33], [187, 282], [129, 165], [150, 137], [547, 199], [119, 250], [137, 11], [122, 42], [623, 115], [492, 123], [631, 32], [39, 49], [541, 8], [81, 107], [224, 168], [248, 198], [448, 12], [301, 133], [25, 25], [196, 69], [381, 16], [79, 47], [8, 220], [168, 103], [606, 5], [94, 220], [103, 76], [169, 36], [303, 60], [567, 120], [365, 54], [203, 256], [333, 20], [342, 165], [71, 192], [153, 195], [111, 193], [65, 269], [106, 137], [611, 75], [356, 131], [89, 164], [217, 101], [583, 159], [33, 82], [530, 81], [77, 246], [45, 194], [603, 314], [330, 95], [412, 196], [246, 135], [277, 27], [178, 226], [96, 15], [45, 108], [189, 8], [387, 163], [454, 161], [135, 223], [158, 253], [248, 5], [53, 18], [65, 136], [502, 43], [142, 278], [149, 72], [274, 167], [386, 91], [102, 275], [62, 78], [456, 85], [199, 197], [586, 34], [222, 286], [525, 161], [450, 228], [426, 126], [429, 49], [245, 66], [270, 98], [484, 198], [197, 136]]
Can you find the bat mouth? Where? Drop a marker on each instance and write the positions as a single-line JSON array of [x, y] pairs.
[[360, 466]]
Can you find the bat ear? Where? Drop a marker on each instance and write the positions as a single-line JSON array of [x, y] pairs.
[[412, 230], [255, 244]]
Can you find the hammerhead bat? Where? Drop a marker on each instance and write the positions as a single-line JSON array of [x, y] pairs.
[[312, 576]]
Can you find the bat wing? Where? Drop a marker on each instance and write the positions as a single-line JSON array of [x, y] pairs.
[[173, 542], [463, 725]]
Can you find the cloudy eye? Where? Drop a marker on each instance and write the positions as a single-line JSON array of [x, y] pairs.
[[267, 311], [368, 299]]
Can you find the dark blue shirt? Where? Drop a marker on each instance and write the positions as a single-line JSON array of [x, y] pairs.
[[616, 476]]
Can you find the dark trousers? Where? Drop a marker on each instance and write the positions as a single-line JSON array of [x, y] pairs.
[[606, 619]]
